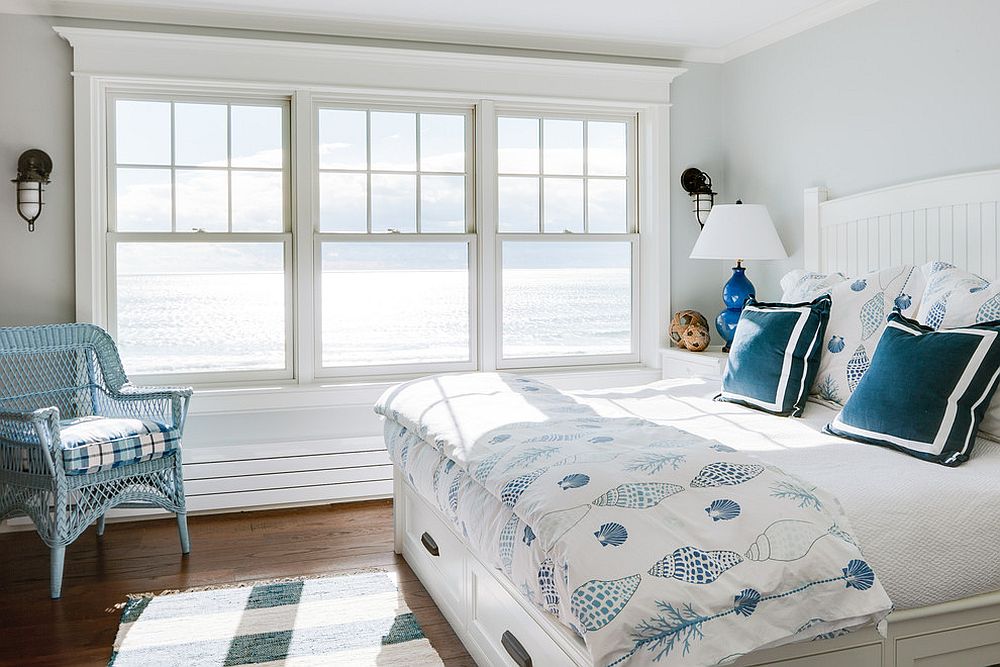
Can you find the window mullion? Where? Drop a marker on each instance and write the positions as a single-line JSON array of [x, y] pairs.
[[173, 169], [229, 162], [486, 183], [304, 197]]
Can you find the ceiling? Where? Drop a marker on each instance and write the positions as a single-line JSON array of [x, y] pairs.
[[708, 30]]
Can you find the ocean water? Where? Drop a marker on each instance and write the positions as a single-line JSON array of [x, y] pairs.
[[204, 322]]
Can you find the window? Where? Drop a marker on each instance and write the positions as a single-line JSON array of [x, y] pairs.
[[199, 252], [396, 242], [425, 236], [566, 233]]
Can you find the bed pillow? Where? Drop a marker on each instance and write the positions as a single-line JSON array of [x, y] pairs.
[[857, 319], [926, 391], [956, 298], [775, 355], [799, 285]]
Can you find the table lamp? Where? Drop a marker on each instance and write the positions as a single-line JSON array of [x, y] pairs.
[[737, 231]]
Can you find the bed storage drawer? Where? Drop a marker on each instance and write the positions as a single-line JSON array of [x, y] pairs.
[[971, 646], [431, 544], [506, 631]]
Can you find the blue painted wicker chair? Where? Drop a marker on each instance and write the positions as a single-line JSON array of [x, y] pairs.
[[76, 439]]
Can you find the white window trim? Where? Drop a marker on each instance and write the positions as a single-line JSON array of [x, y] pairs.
[[105, 59]]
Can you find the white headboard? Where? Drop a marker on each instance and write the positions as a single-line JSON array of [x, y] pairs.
[[954, 219]]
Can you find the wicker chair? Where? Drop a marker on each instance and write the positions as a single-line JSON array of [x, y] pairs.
[[76, 439]]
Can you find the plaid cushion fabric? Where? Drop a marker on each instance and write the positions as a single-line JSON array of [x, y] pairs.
[[92, 444]]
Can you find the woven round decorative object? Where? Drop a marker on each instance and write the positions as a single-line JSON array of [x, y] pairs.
[[689, 330]]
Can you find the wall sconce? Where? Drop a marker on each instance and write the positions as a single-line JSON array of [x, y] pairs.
[[698, 184], [33, 169]]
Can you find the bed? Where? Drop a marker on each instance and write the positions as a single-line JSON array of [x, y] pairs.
[[942, 573]]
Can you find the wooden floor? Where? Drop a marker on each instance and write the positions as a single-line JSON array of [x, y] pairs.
[[145, 556]]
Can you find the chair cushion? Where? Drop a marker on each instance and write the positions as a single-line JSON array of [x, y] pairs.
[[92, 444]]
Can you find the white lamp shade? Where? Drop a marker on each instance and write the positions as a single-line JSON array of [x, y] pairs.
[[738, 231]]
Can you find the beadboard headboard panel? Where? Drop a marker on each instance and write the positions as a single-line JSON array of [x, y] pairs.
[[953, 219]]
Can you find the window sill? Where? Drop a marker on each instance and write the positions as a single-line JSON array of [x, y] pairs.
[[212, 399]]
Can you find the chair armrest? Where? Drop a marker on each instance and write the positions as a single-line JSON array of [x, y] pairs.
[[23, 432], [158, 402]]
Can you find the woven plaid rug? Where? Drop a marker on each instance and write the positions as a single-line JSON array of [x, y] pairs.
[[354, 619]]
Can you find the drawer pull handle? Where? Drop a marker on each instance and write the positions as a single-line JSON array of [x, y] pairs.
[[515, 650], [430, 544]]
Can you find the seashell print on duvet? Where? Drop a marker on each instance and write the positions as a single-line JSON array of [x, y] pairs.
[[597, 602], [574, 481], [723, 509], [637, 495], [507, 543], [611, 535], [787, 540], [722, 473], [512, 490], [695, 566], [547, 586]]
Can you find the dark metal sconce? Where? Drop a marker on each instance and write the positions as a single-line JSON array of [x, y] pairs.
[[33, 169], [698, 184]]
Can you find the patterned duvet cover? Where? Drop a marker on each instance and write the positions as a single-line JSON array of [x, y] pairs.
[[655, 545]]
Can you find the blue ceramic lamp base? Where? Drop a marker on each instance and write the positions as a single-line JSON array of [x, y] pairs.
[[734, 294]]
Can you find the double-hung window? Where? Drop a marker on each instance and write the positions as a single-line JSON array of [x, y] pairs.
[[426, 236], [396, 242], [199, 243], [567, 240]]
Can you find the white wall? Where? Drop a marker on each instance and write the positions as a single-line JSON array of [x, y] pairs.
[[898, 91], [36, 270]]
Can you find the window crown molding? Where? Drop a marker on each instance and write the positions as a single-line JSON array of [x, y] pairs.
[[318, 66]]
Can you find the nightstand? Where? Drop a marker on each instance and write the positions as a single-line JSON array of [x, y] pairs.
[[677, 363]]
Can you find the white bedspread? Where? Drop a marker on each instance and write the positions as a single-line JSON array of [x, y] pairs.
[[932, 533]]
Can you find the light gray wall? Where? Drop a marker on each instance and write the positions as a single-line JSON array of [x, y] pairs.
[[898, 91], [696, 140], [36, 270]]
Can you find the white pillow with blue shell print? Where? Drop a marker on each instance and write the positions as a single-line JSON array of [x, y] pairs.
[[858, 315]]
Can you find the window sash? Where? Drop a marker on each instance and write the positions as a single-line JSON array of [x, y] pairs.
[[467, 236], [515, 363], [208, 377], [379, 370], [168, 96], [113, 237], [469, 172], [630, 177], [630, 234]]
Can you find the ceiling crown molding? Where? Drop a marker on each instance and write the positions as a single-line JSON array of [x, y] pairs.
[[430, 35], [190, 58], [789, 27]]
